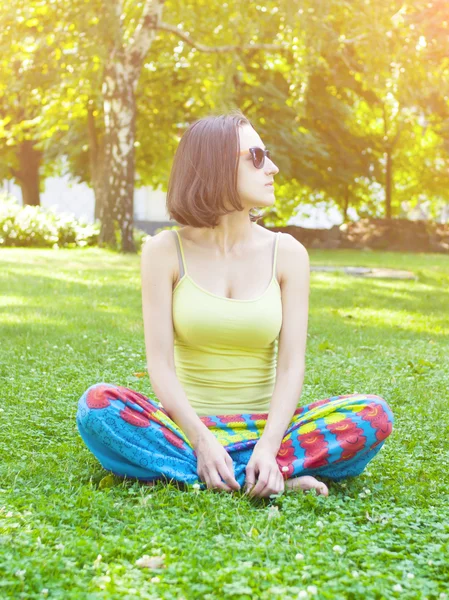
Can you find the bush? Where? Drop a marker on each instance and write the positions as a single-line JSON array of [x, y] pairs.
[[139, 237], [39, 227]]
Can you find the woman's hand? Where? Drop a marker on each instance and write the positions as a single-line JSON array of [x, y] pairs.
[[269, 477], [214, 464]]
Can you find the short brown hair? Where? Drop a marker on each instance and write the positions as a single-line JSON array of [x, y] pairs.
[[204, 171]]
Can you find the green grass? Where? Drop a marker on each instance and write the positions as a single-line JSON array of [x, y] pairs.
[[71, 318]]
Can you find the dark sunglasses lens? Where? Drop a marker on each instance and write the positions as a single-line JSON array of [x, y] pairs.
[[259, 157]]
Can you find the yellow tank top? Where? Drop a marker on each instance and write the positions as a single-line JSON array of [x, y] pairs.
[[225, 349]]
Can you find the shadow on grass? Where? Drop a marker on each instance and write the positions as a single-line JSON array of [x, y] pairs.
[[51, 301]]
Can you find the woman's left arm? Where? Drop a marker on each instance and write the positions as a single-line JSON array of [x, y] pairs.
[[290, 370]]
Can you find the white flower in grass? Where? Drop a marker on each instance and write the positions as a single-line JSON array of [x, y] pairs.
[[155, 580], [398, 588], [273, 512], [151, 562], [97, 561], [44, 592], [443, 596], [320, 524], [410, 576], [312, 589], [20, 573], [299, 556], [338, 549], [430, 563], [196, 486], [355, 574], [367, 491], [303, 594]]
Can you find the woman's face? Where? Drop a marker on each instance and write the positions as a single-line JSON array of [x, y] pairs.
[[251, 182]]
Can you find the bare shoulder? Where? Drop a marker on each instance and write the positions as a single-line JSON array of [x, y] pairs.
[[292, 256], [160, 249], [163, 239], [291, 245]]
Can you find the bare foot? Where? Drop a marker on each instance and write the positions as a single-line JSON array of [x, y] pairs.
[[307, 482]]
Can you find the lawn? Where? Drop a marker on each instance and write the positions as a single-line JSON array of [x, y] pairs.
[[71, 318]]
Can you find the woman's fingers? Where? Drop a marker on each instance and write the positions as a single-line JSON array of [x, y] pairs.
[[229, 463], [216, 483], [250, 478], [227, 473], [217, 473], [271, 486], [274, 483], [262, 481], [230, 480]]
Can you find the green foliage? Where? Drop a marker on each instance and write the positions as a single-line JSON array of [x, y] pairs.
[[39, 227], [358, 81], [68, 530]]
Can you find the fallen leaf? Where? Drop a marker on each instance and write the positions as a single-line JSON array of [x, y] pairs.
[[107, 482], [253, 532], [139, 374]]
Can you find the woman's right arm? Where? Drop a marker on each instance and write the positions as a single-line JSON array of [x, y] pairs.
[[157, 289]]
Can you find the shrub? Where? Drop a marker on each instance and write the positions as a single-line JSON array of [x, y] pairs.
[[139, 237], [36, 226]]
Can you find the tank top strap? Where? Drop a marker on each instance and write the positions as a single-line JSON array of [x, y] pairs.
[[275, 253], [181, 257]]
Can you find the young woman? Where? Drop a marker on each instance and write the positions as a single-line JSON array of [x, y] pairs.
[[225, 311]]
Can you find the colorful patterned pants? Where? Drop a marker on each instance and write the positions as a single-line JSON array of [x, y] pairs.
[[133, 436]]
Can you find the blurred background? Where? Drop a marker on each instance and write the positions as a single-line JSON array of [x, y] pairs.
[[351, 98]]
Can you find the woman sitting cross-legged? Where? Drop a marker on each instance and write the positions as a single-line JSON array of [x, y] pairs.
[[225, 310]]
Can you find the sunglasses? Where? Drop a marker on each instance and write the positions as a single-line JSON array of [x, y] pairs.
[[258, 155]]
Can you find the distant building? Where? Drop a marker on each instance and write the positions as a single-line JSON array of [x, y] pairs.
[[149, 205]]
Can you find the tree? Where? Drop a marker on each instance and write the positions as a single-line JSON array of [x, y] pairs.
[[130, 42], [22, 94]]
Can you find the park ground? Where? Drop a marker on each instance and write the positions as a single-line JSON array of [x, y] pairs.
[[71, 318]]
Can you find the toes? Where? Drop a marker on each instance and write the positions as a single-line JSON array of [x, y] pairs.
[[307, 482], [323, 490], [320, 487]]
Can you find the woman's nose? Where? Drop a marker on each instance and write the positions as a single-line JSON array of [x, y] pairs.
[[273, 170]]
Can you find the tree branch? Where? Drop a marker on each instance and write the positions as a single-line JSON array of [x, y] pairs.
[[144, 33], [218, 49]]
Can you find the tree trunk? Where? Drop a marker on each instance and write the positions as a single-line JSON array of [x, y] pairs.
[[118, 179], [28, 174], [346, 205], [388, 186], [121, 74], [96, 159]]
